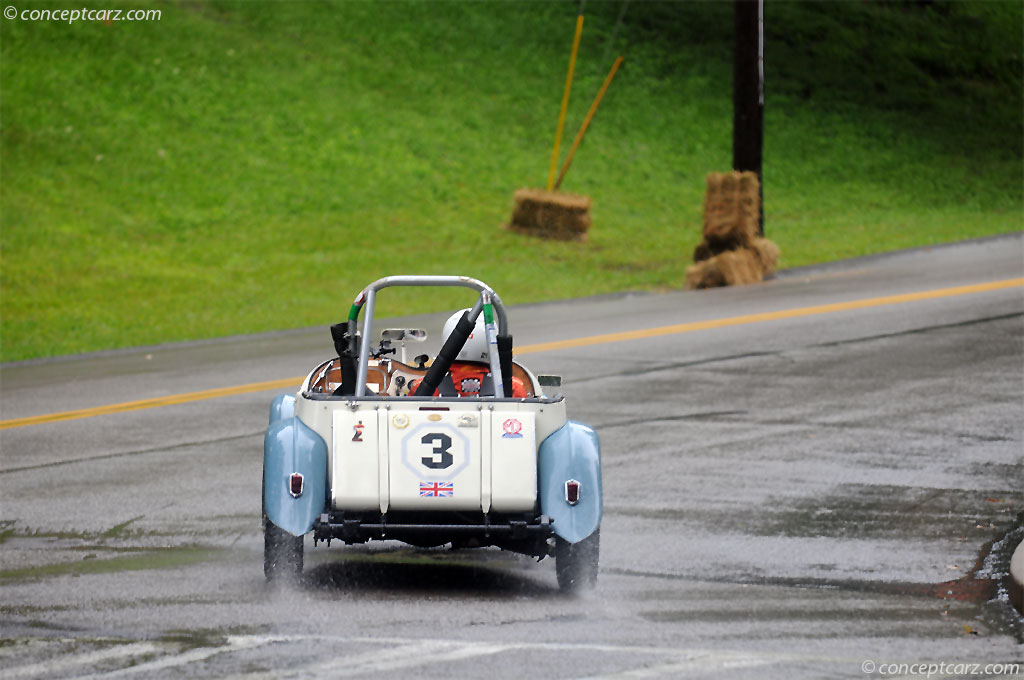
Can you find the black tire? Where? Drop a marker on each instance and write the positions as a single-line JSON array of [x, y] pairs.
[[282, 553], [576, 563]]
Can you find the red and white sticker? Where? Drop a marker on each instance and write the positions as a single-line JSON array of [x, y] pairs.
[[513, 429]]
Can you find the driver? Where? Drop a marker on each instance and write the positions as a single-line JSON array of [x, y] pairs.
[[471, 369]]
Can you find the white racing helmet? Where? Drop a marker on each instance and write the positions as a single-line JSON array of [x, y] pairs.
[[475, 348]]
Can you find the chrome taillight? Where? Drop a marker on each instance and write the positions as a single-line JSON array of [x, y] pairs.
[[572, 492], [295, 484]]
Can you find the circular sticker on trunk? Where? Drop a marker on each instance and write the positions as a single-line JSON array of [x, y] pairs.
[[513, 429]]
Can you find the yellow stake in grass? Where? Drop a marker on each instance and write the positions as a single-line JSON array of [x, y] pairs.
[[565, 101], [586, 122]]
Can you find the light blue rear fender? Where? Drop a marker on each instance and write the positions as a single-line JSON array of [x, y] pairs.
[[289, 447], [572, 452], [283, 406]]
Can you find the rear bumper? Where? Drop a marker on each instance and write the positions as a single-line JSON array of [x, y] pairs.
[[487, 530]]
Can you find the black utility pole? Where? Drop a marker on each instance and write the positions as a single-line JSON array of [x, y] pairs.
[[748, 92]]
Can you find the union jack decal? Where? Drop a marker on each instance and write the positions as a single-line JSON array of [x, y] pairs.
[[437, 489]]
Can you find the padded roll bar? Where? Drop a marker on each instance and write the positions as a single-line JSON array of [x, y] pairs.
[[367, 298], [452, 346]]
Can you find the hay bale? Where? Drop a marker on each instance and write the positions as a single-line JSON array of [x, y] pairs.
[[729, 233], [767, 254], [702, 252], [551, 214], [704, 274], [731, 253], [729, 268], [739, 267], [731, 210]]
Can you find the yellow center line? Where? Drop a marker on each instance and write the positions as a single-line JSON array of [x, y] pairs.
[[152, 403], [675, 329], [769, 316]]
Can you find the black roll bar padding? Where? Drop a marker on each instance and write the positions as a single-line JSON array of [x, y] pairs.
[[452, 346], [339, 335], [346, 362], [505, 362]]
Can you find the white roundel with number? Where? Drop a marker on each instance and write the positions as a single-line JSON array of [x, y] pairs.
[[435, 451]]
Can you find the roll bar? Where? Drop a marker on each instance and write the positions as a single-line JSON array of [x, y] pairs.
[[487, 301]]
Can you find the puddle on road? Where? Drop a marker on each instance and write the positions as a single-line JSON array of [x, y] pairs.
[[802, 614], [210, 637], [127, 559], [877, 511], [31, 555], [977, 598], [854, 511]]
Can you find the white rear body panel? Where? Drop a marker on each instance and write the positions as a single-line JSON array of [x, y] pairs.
[[409, 454]]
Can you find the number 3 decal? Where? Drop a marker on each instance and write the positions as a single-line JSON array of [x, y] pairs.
[[441, 448]]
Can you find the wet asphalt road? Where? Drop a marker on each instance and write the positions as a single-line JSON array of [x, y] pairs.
[[786, 498]]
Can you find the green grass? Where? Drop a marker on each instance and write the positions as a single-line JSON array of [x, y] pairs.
[[248, 166]]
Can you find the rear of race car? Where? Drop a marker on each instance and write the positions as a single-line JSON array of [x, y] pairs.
[[472, 472], [355, 458]]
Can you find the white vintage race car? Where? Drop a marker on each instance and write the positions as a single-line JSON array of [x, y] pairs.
[[465, 448]]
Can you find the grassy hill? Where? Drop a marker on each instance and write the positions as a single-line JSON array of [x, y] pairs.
[[246, 166]]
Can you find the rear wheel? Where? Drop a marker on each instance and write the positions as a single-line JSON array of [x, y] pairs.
[[576, 563], [282, 553]]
